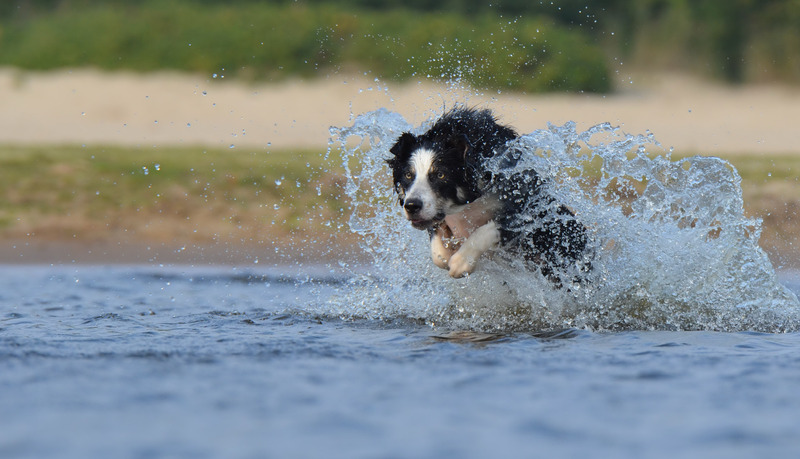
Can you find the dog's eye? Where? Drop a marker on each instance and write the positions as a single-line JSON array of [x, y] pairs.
[[409, 175], [440, 175]]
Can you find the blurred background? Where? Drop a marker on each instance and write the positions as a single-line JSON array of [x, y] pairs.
[[566, 45], [197, 130]]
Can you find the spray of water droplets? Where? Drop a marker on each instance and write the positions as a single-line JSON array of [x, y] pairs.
[[674, 250]]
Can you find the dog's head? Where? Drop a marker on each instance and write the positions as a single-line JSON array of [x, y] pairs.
[[431, 178]]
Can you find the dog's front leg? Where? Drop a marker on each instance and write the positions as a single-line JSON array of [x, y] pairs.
[[440, 253], [482, 239]]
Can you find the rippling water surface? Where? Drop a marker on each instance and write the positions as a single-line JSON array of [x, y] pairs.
[[148, 361]]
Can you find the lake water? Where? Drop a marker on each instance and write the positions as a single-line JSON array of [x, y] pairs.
[[195, 362]]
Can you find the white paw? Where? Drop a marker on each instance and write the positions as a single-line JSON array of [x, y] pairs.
[[440, 261], [440, 253], [461, 265]]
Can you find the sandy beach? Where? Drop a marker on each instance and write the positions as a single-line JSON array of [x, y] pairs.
[[91, 107]]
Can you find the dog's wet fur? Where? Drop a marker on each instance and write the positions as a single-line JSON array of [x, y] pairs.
[[445, 187]]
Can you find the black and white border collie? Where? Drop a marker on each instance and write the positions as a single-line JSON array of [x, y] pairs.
[[445, 186]]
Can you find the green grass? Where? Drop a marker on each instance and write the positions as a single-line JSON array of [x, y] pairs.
[[164, 193], [758, 168]]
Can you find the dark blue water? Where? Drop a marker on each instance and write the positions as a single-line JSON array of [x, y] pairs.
[[196, 362]]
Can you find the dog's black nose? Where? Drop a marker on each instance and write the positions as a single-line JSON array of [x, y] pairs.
[[412, 206]]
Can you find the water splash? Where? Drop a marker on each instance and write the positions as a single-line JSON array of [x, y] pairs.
[[674, 248]]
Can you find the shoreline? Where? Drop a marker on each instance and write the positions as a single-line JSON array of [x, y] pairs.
[[278, 253]]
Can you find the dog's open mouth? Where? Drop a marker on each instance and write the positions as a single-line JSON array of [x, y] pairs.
[[423, 224], [426, 224]]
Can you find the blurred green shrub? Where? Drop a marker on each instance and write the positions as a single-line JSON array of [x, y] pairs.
[[269, 41]]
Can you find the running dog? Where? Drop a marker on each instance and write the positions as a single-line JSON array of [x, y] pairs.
[[445, 187]]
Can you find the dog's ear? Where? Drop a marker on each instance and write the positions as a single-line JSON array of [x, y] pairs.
[[401, 150], [461, 144]]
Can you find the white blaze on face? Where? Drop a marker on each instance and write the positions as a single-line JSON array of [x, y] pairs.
[[421, 162]]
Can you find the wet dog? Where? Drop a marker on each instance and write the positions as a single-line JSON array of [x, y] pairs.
[[446, 187]]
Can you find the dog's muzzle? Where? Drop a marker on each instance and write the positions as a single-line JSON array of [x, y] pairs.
[[413, 207]]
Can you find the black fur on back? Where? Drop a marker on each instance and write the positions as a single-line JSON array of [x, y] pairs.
[[535, 225]]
